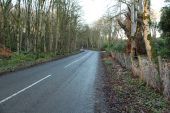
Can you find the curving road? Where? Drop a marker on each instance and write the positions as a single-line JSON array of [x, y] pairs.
[[62, 86]]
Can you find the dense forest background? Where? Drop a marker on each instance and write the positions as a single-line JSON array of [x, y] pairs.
[[36, 26], [52, 27]]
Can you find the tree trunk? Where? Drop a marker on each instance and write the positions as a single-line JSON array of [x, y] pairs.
[[19, 27], [133, 27], [147, 34]]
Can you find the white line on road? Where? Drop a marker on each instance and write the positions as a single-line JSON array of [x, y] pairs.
[[15, 94], [75, 61]]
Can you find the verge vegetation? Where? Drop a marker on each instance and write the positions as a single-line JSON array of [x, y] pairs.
[[128, 94]]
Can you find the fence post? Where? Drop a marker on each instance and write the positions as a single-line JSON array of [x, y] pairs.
[[160, 67], [141, 68], [125, 59]]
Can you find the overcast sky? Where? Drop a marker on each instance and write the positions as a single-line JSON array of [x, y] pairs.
[[94, 9]]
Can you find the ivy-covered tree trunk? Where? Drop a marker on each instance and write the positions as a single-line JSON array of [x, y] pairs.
[[147, 34]]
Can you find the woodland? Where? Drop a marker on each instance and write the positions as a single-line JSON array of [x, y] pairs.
[[42, 26], [56, 26]]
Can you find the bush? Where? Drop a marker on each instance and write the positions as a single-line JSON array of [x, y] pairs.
[[162, 47], [117, 45]]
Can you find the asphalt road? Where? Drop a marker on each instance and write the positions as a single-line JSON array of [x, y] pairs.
[[61, 86]]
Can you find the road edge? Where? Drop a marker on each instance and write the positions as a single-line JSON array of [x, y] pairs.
[[36, 63]]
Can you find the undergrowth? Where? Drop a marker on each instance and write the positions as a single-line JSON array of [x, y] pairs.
[[26, 59], [131, 95]]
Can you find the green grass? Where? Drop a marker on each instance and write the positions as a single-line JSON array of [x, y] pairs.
[[22, 60], [108, 62]]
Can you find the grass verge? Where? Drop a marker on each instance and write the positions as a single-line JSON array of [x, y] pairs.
[[126, 94], [20, 61]]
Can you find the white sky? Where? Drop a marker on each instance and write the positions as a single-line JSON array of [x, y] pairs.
[[94, 9]]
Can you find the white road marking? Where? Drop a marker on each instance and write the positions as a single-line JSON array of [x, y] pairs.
[[15, 94], [75, 61]]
